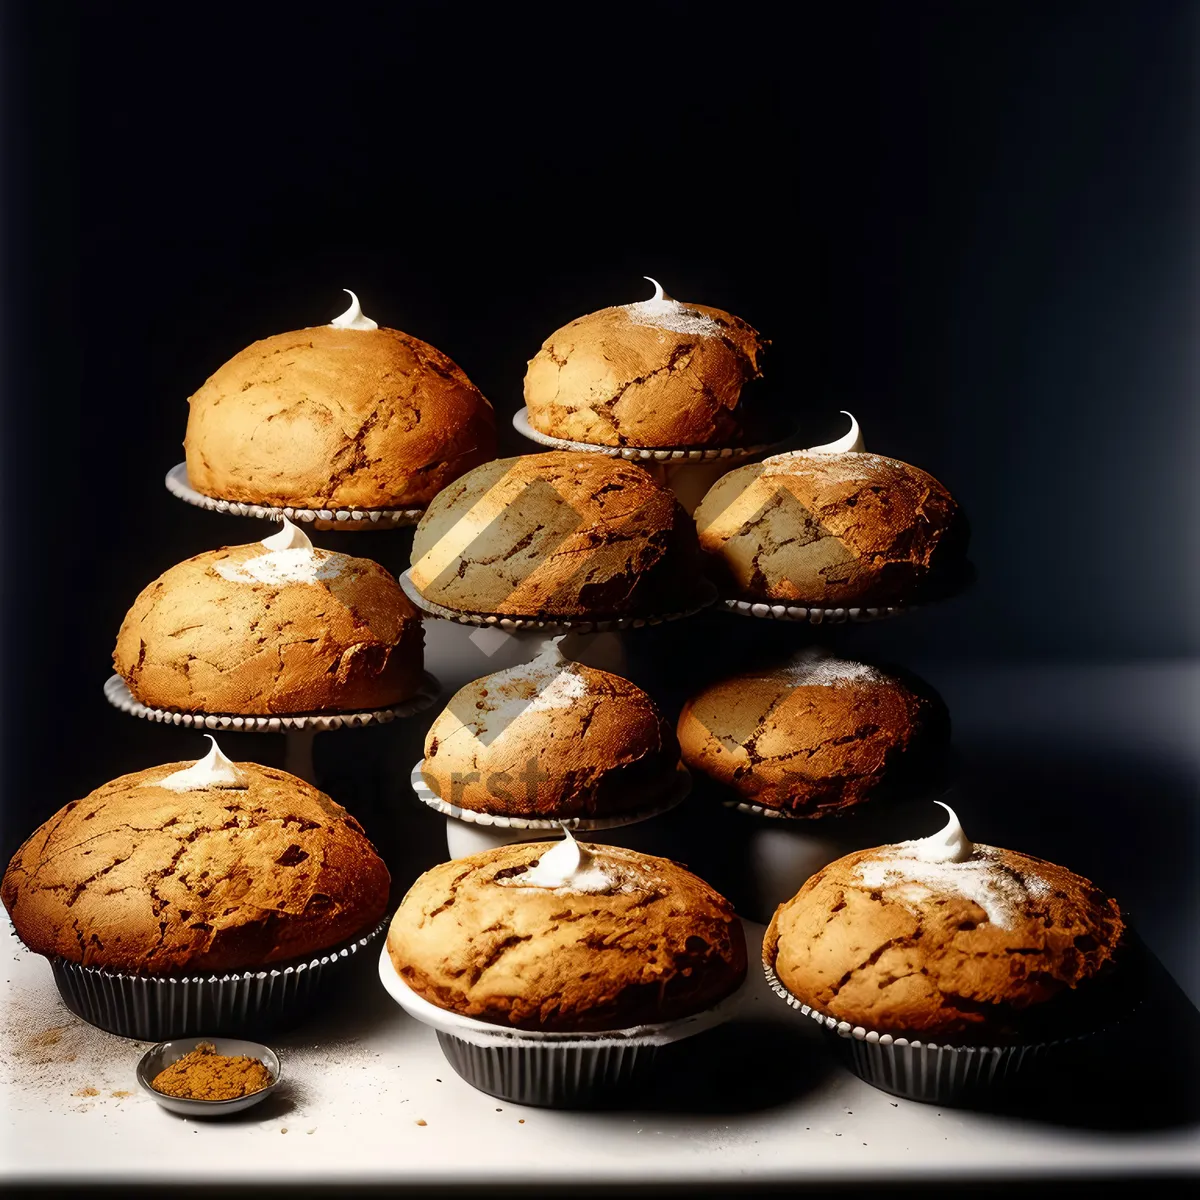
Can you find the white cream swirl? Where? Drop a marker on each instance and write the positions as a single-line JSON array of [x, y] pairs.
[[661, 312], [850, 442], [214, 770], [947, 862], [567, 866], [290, 558], [353, 317]]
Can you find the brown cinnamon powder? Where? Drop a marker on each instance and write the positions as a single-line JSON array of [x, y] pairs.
[[203, 1074]]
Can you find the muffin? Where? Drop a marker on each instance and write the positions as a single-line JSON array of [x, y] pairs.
[[817, 736], [567, 938], [551, 739], [344, 415], [832, 526], [947, 942], [274, 627], [653, 374], [563, 534], [149, 890]]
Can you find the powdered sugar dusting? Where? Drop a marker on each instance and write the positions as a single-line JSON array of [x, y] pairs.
[[661, 312], [816, 669], [300, 565], [1001, 892]]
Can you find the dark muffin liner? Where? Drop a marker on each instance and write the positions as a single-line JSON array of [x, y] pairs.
[[933, 1073], [549, 1070], [240, 1003]]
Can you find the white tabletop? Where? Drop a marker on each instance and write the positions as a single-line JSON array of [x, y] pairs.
[[368, 1098]]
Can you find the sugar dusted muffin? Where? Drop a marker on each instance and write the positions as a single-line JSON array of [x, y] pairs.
[[832, 526], [567, 938], [551, 738], [275, 627], [194, 869], [560, 534], [816, 736], [941, 940], [344, 415], [653, 374]]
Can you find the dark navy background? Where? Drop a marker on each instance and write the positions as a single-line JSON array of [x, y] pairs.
[[971, 224]]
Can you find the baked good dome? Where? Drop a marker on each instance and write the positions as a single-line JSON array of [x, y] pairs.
[[815, 736], [345, 415], [274, 627], [559, 534], [939, 938], [832, 527], [656, 373], [551, 738], [195, 868], [566, 938]]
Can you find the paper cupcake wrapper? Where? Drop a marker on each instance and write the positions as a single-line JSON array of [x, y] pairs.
[[681, 785], [927, 1071], [705, 594], [323, 518], [643, 454], [236, 1004], [549, 1070], [117, 693]]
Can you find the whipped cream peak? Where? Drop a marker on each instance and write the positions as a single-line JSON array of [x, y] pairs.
[[567, 866], [661, 312], [815, 666], [214, 770], [851, 442], [353, 317], [948, 845], [289, 537]]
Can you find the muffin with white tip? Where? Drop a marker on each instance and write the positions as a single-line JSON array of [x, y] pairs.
[[275, 627], [344, 415]]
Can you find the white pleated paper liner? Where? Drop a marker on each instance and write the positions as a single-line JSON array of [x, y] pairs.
[[324, 518], [549, 1070], [117, 693], [643, 454], [236, 1004], [681, 785], [925, 1071], [704, 595]]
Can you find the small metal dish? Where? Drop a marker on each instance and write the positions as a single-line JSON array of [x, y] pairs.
[[159, 1057]]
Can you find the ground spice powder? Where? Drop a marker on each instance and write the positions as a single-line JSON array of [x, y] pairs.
[[203, 1074]]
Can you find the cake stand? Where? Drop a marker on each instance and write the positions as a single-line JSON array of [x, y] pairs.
[[299, 728], [469, 832], [320, 518], [705, 594], [688, 472]]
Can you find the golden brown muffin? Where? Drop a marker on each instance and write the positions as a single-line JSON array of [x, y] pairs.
[[255, 630], [977, 950], [560, 534], [814, 737], [656, 945], [551, 738], [653, 374], [138, 877], [831, 529], [336, 418]]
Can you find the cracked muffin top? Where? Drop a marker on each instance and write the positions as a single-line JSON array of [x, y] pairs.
[[278, 626], [336, 417], [567, 937], [551, 738], [815, 736], [566, 533], [939, 938], [195, 867], [820, 528], [653, 374]]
